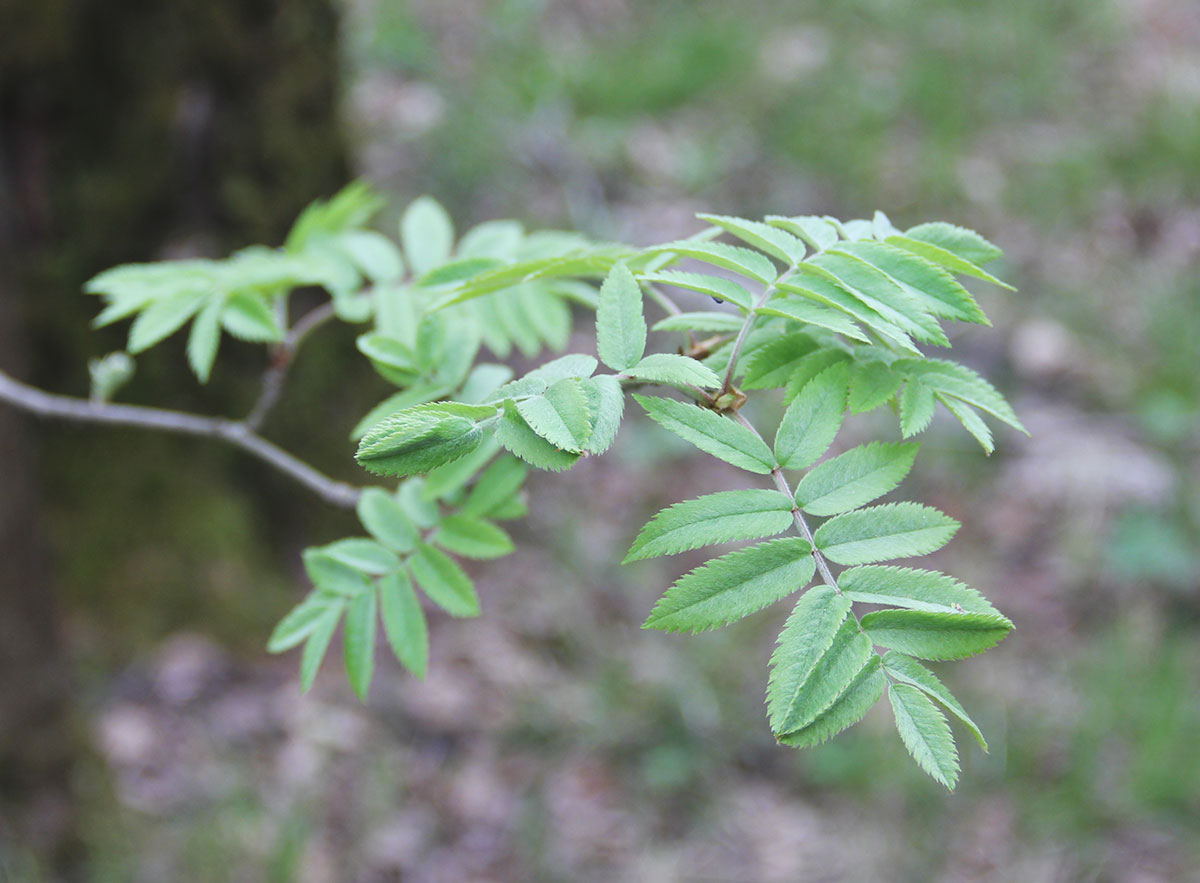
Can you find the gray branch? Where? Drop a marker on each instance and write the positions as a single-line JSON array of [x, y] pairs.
[[234, 432]]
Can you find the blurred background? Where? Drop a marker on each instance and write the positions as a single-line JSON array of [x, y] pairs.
[[145, 735]]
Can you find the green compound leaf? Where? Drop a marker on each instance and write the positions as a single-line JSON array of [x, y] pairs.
[[936, 636], [809, 367], [404, 622], [303, 620], [912, 589], [925, 733], [817, 232], [812, 420], [472, 537], [560, 415], [772, 365], [443, 581], [163, 318], [620, 323], [944, 258], [711, 433], [427, 234], [800, 310], [871, 384], [893, 530], [373, 253], [606, 407], [810, 631], [967, 244], [518, 438], [743, 261], [363, 555], [204, 339], [959, 381], [498, 484], [820, 287], [734, 586], [385, 519], [421, 438], [332, 574], [317, 644], [928, 285], [674, 370], [855, 478], [772, 240], [714, 286], [359, 642], [851, 706], [249, 317], [916, 408], [905, 668], [722, 517], [707, 322], [971, 421]]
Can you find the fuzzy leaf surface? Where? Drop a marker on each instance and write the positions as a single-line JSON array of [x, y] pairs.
[[855, 478], [734, 586], [620, 323], [518, 438], [674, 370], [877, 533], [936, 636], [560, 415], [606, 407], [722, 517], [812, 420], [711, 433], [925, 733]]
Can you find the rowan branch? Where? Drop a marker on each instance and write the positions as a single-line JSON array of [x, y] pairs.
[[234, 432]]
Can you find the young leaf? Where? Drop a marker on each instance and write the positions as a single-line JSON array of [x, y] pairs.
[[734, 586], [711, 433], [674, 370], [204, 339], [961, 382], [809, 633], [516, 436], [560, 415], [606, 406], [971, 421], [772, 240], [893, 530], [927, 284], [620, 323], [385, 519], [925, 733], [373, 254], [162, 318], [819, 287], [936, 636], [716, 518], [447, 480], [443, 581], [772, 365], [317, 644], [871, 384], [714, 286], [363, 555], [916, 407], [710, 322], [575, 365], [881, 294], [854, 478], [496, 486], [809, 367], [332, 574], [942, 257], [906, 669], [742, 261], [967, 244], [911, 588], [359, 642], [248, 317], [472, 537], [404, 622], [817, 232], [427, 235], [812, 419], [848, 709], [416, 441], [812, 313], [302, 621]]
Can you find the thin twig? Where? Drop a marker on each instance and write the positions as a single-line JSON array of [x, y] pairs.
[[782, 484], [745, 329], [281, 360], [234, 432], [670, 307]]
